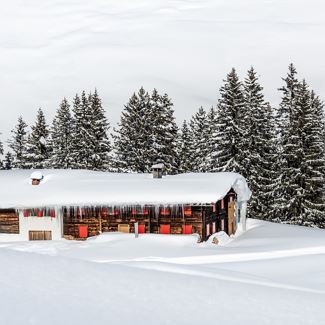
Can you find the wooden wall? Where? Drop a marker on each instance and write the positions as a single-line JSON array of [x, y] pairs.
[[9, 221], [203, 219]]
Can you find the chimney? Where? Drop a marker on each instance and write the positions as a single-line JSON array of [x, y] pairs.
[[36, 178], [157, 170]]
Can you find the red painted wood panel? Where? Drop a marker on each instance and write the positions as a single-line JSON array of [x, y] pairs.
[[187, 229], [141, 229], [83, 231], [165, 229]]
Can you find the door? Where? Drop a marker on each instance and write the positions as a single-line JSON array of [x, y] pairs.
[[40, 235]]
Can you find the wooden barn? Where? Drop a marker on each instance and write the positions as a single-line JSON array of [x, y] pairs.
[[76, 204]]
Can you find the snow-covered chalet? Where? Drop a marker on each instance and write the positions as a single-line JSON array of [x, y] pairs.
[[76, 204]]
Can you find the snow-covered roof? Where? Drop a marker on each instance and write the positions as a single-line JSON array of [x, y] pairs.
[[81, 187]]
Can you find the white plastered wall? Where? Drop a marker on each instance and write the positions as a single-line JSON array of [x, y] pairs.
[[45, 223]]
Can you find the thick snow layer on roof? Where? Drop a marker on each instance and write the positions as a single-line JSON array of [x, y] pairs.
[[80, 187]]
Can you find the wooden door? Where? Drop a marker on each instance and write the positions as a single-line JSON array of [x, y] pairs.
[[40, 235], [231, 218]]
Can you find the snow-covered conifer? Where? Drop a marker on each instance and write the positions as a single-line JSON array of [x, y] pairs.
[[83, 141], [229, 134], [131, 137], [61, 137], [8, 161], [38, 148], [162, 132], [185, 148], [18, 144], [290, 155], [101, 157], [199, 126], [259, 154]]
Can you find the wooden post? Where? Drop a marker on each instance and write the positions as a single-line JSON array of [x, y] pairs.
[[100, 221], [203, 225]]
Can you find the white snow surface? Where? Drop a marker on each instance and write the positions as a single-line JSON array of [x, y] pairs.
[[271, 274], [81, 187]]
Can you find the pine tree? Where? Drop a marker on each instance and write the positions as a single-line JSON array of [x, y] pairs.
[[8, 161], [38, 149], [258, 148], [229, 133], [18, 144], [185, 148], [101, 159], [61, 137], [199, 126]]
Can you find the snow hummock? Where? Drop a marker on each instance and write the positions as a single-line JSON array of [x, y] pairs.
[[271, 274], [37, 175], [81, 187]]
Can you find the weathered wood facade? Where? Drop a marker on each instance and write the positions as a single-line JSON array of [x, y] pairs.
[[9, 221], [82, 222]]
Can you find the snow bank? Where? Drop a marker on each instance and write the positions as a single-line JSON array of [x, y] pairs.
[[80, 187], [220, 238]]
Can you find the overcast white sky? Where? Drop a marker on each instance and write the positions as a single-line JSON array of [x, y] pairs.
[[51, 48]]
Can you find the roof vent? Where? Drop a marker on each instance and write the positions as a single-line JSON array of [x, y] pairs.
[[157, 170], [36, 178]]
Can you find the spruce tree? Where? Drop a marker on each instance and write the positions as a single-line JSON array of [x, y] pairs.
[[230, 108], [162, 133], [212, 138], [83, 141], [18, 144], [38, 148], [101, 157], [199, 126], [185, 148], [131, 143], [147, 134], [289, 187], [310, 200], [1, 153], [61, 137], [258, 148], [8, 161]]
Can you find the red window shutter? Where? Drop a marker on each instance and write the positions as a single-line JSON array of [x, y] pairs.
[[165, 211], [26, 213], [52, 213], [187, 229], [40, 213], [83, 231], [187, 211], [141, 229], [165, 229]]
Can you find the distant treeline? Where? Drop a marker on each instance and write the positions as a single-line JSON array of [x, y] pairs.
[[280, 150]]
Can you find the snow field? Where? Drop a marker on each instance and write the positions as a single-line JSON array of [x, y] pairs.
[[272, 274]]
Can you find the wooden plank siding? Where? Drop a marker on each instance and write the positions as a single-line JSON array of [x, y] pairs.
[[102, 219], [9, 221]]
